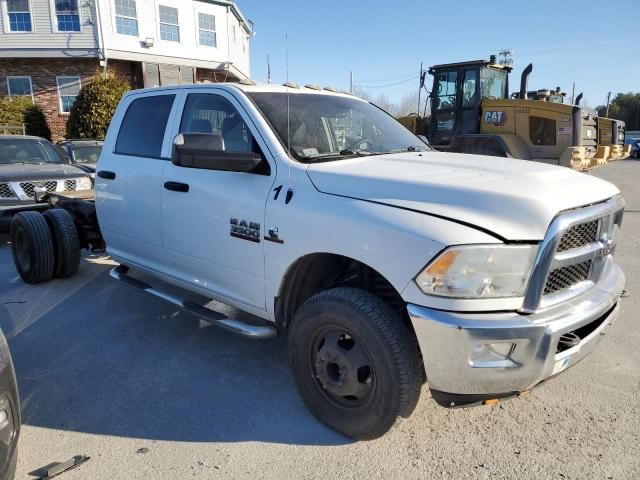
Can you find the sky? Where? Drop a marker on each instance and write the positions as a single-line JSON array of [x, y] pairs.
[[595, 44]]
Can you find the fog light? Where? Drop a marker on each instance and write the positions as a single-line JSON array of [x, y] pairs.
[[3, 416], [493, 355]]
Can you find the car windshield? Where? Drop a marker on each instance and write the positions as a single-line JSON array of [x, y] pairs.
[[330, 127], [27, 150], [86, 153]]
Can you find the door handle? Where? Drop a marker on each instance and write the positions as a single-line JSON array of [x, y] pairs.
[[177, 186], [106, 174]]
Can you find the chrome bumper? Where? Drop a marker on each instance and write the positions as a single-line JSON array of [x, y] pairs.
[[499, 353]]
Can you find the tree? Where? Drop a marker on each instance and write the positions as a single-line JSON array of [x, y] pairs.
[[18, 111], [95, 105], [625, 107]]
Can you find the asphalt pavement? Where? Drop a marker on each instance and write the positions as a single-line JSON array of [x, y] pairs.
[[149, 392]]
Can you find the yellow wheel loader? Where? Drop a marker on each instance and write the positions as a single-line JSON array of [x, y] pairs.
[[471, 112]]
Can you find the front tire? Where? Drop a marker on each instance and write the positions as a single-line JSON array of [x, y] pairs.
[[32, 247], [355, 362]]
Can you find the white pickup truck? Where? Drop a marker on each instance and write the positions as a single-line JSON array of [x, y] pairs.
[[387, 263]]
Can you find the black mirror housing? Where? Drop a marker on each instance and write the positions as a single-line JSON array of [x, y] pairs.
[[206, 151]]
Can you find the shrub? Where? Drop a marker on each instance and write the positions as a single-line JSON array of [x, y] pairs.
[[17, 111], [95, 105]]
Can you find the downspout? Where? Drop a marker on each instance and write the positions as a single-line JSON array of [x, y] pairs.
[[102, 51]]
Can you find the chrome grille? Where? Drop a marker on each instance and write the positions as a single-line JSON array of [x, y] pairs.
[[69, 185], [28, 187], [576, 250], [5, 191], [579, 236], [566, 277]]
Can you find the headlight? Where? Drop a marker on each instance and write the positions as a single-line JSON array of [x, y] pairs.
[[83, 183], [479, 271]]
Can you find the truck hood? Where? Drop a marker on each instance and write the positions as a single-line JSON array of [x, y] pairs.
[[52, 171], [513, 199]]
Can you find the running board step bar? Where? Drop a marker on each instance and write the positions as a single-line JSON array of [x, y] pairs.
[[206, 314]]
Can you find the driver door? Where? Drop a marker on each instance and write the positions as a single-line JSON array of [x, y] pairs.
[[202, 218]]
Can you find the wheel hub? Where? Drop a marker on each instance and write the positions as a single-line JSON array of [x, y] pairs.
[[343, 367]]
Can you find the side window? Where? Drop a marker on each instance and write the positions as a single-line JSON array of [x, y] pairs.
[[542, 131], [469, 88], [142, 129], [446, 94], [210, 113]]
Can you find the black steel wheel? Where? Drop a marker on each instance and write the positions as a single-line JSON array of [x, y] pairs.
[[66, 243], [355, 362], [32, 247]]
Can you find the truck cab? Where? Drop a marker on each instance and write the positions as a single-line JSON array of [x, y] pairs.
[[457, 94]]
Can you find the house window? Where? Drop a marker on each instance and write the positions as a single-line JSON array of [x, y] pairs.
[[207, 30], [126, 18], [68, 90], [67, 15], [169, 27], [19, 87], [19, 15]]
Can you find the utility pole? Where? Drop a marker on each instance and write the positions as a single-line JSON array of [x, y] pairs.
[[608, 100], [420, 84], [351, 82]]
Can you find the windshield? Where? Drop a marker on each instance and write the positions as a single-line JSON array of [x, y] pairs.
[[328, 127], [86, 153], [27, 150]]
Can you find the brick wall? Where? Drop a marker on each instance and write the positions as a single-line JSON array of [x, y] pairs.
[[43, 72]]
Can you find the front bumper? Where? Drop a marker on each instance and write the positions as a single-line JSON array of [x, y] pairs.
[[494, 355]]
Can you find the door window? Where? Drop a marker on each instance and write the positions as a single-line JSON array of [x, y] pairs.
[[207, 113], [446, 95], [469, 88], [142, 129]]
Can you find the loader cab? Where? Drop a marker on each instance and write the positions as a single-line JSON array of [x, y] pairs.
[[458, 90]]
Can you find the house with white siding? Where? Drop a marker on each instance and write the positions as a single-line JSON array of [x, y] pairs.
[[49, 48]]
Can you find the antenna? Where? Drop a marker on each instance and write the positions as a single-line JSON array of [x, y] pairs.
[[268, 69], [290, 189]]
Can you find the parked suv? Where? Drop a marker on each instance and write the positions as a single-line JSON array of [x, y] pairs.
[[30, 162], [386, 263], [83, 153]]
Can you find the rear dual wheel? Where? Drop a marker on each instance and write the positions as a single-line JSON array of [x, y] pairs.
[[355, 362], [44, 246]]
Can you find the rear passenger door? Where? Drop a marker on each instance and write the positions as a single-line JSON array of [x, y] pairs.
[[129, 175], [214, 231]]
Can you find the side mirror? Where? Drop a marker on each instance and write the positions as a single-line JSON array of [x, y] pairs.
[[206, 151]]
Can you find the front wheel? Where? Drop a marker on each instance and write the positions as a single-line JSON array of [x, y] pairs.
[[355, 362]]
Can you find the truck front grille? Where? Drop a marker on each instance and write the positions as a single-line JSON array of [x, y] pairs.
[[28, 187], [5, 191], [574, 253], [69, 185], [566, 277], [579, 236]]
